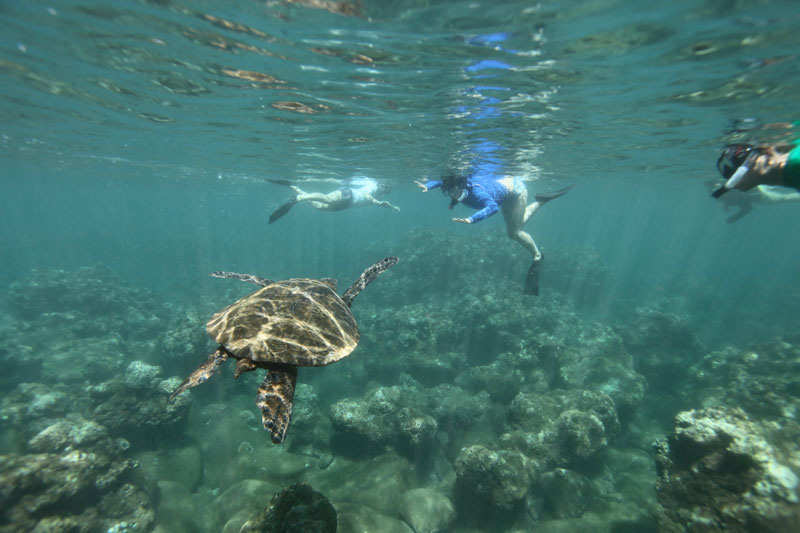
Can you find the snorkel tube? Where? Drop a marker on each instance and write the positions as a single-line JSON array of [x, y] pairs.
[[732, 181], [461, 198]]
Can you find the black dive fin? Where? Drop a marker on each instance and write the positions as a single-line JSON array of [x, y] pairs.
[[547, 196], [532, 278], [282, 210]]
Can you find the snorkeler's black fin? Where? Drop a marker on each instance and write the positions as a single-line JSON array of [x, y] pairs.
[[547, 196], [532, 278], [282, 210], [285, 183]]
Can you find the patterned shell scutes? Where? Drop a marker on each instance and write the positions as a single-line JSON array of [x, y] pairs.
[[300, 322]]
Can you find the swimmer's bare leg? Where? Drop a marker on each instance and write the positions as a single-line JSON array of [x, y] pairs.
[[514, 214], [542, 199]]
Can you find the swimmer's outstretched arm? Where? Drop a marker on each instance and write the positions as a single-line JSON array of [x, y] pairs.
[[428, 185], [770, 194], [381, 203]]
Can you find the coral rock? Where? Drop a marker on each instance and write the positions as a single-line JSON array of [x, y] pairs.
[[718, 472], [297, 508]]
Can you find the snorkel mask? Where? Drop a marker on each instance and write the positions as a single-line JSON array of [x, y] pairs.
[[733, 156], [456, 188], [732, 166]]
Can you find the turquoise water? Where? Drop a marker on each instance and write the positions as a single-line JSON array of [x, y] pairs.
[[137, 139]]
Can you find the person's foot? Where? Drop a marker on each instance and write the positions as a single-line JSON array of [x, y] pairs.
[[532, 278]]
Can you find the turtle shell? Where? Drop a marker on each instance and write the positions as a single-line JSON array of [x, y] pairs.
[[301, 322]]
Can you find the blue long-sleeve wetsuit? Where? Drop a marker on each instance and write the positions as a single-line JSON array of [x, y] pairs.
[[485, 192]]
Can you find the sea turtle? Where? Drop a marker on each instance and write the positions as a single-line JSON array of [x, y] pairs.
[[283, 325]]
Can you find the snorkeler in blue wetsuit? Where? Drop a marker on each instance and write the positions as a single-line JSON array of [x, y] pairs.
[[357, 191], [487, 187], [488, 193]]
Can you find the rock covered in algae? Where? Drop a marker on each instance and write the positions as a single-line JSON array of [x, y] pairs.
[[417, 430], [566, 493], [561, 428], [393, 416], [763, 379], [31, 407], [491, 484], [78, 483], [296, 509], [134, 405], [663, 345], [717, 471]]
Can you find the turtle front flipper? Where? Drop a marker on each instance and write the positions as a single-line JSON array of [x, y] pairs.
[[275, 397], [202, 372], [367, 277]]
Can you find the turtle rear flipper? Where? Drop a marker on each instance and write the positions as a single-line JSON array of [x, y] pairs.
[[367, 277], [242, 277], [275, 396], [202, 372]]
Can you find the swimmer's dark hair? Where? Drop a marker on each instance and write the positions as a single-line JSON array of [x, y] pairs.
[[453, 180]]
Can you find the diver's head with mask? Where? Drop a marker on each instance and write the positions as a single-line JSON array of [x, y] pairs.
[[732, 165], [455, 186]]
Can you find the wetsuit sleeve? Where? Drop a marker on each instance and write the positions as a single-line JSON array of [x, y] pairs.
[[489, 207], [432, 184]]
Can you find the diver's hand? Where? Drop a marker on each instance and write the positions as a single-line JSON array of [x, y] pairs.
[[422, 186], [462, 220], [397, 209]]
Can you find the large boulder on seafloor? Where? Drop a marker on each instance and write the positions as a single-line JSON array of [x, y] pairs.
[[358, 517], [357, 430], [31, 407], [134, 405], [426, 510], [763, 379], [663, 346], [561, 428], [417, 430], [718, 471], [386, 416], [491, 485], [71, 490], [248, 495], [600, 362], [296, 509], [566, 493]]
